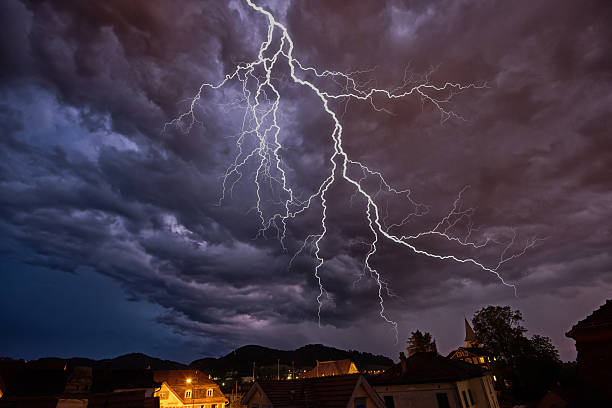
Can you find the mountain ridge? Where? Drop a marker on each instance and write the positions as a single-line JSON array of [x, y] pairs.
[[238, 362]]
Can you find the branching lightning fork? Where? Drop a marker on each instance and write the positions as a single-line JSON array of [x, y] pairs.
[[261, 98]]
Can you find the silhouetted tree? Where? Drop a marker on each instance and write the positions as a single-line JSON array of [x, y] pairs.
[[541, 348], [532, 364], [499, 330], [419, 342]]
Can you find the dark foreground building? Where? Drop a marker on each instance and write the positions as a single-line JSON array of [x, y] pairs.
[[593, 337], [54, 385], [340, 391]]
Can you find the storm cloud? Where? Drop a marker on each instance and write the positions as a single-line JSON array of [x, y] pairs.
[[89, 181]]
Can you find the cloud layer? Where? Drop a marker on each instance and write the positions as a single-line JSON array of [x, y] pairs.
[[87, 178]]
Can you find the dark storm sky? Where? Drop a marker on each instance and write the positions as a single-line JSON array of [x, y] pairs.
[[110, 239]]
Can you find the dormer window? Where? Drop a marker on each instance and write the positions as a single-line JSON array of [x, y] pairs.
[[188, 394], [209, 392]]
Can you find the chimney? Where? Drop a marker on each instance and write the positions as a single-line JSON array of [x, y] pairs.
[[403, 363]]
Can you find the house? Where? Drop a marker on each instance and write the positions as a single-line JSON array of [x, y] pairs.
[[339, 391], [188, 388], [593, 336], [330, 368], [473, 352], [32, 385], [428, 380]]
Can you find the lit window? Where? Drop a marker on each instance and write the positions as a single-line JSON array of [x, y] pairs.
[[481, 359], [188, 394], [494, 378], [209, 392]]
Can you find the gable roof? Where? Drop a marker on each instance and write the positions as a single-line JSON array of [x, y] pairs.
[[598, 320], [329, 368], [176, 380], [321, 392], [422, 368]]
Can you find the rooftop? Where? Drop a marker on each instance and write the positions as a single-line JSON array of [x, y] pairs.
[[599, 319], [320, 392], [422, 368], [330, 368]]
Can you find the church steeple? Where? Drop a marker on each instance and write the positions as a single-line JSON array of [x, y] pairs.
[[470, 337]]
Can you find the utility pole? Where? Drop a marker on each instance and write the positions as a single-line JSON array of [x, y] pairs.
[[293, 370], [253, 371], [278, 368], [317, 368]]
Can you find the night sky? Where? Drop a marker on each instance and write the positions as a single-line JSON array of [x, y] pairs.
[[111, 236]]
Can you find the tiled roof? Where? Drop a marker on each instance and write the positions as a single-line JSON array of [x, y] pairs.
[[422, 368], [329, 368], [320, 392], [599, 319], [200, 384]]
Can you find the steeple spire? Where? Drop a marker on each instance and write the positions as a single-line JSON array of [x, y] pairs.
[[470, 337]]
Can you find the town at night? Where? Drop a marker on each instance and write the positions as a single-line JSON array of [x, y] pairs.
[[305, 204]]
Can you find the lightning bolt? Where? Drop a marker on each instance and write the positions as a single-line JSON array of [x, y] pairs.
[[258, 142]]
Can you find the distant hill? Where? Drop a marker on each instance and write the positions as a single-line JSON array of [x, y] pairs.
[[240, 361], [138, 360], [132, 361], [237, 363]]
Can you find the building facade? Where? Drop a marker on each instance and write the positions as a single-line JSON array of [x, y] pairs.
[[428, 380], [188, 388]]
